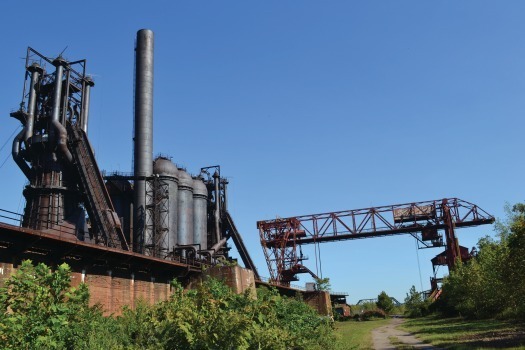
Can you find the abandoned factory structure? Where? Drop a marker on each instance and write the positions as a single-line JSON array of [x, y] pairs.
[[129, 235]]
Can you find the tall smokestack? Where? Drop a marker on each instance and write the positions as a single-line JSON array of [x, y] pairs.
[[143, 140]]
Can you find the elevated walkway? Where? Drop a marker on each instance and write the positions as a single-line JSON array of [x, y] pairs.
[[97, 201]]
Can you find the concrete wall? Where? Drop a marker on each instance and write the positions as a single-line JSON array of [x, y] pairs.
[[6, 270], [112, 289], [237, 278], [320, 301]]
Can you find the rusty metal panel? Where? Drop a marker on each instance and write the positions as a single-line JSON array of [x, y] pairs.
[[414, 213]]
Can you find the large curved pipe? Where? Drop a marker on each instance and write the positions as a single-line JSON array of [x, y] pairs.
[[61, 139], [57, 131], [17, 157]]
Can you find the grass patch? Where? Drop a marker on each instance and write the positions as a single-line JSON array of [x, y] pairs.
[[458, 333], [399, 344], [357, 335]]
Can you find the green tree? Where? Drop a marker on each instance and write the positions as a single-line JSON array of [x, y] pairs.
[[491, 283], [40, 310], [415, 305], [384, 302], [514, 277], [322, 284]]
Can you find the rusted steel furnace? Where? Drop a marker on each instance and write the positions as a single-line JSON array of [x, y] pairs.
[[160, 210]]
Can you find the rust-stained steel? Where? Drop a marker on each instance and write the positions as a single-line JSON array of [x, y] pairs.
[[174, 215], [96, 196], [41, 151], [281, 237]]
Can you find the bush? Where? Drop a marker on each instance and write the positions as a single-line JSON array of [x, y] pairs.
[[384, 302], [415, 305], [39, 310], [492, 283], [370, 314]]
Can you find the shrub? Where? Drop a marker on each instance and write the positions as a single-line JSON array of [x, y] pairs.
[[39, 310], [370, 314]]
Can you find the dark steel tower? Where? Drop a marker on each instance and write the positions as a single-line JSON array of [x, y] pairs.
[[54, 100], [143, 140]]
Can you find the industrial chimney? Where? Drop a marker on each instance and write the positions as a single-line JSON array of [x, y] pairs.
[[143, 139]]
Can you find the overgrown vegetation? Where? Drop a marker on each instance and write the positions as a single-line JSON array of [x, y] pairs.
[[322, 284], [492, 284], [41, 311], [384, 302], [415, 304], [370, 315]]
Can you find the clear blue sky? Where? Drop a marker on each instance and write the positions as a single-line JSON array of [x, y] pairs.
[[308, 106]]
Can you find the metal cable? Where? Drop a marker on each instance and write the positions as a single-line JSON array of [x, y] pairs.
[[320, 261], [418, 265], [316, 266], [10, 137], [5, 160]]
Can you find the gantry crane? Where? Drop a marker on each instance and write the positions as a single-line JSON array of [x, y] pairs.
[[426, 221]]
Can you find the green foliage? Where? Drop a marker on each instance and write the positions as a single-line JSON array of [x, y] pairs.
[[370, 314], [322, 284], [415, 305], [492, 283], [364, 307], [213, 317], [39, 310], [384, 302]]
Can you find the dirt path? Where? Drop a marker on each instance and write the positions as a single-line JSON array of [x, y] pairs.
[[381, 335]]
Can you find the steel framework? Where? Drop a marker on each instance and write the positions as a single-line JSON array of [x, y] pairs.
[[281, 237]]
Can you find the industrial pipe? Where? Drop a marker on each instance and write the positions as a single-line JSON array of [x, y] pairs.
[[17, 157], [59, 63], [62, 140], [88, 84], [27, 131], [35, 70], [143, 138], [57, 132], [70, 113], [217, 206], [218, 245], [210, 253], [225, 189]]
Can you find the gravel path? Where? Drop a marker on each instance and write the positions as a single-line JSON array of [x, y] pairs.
[[381, 342]]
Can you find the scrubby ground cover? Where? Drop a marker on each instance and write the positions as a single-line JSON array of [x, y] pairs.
[[353, 335], [458, 333]]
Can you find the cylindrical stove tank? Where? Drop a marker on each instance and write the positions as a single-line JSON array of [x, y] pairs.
[[167, 207], [185, 209], [200, 217]]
